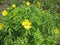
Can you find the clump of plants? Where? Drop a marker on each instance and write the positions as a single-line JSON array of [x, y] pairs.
[[28, 25]]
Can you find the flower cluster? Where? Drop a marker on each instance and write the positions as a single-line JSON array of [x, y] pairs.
[[28, 23]]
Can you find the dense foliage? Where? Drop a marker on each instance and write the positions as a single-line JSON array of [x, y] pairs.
[[28, 25], [33, 22], [52, 5]]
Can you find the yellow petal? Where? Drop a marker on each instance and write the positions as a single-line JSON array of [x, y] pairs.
[[27, 27], [56, 31], [28, 3], [4, 13], [26, 24], [13, 6], [1, 26]]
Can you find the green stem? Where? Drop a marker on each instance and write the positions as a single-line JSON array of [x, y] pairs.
[[9, 32]]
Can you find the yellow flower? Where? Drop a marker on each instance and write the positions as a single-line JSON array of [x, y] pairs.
[[56, 31], [27, 24], [43, 11], [4, 13], [13, 6], [38, 4], [28, 3], [1, 26]]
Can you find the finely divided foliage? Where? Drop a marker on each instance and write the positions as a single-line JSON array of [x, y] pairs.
[[28, 25]]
